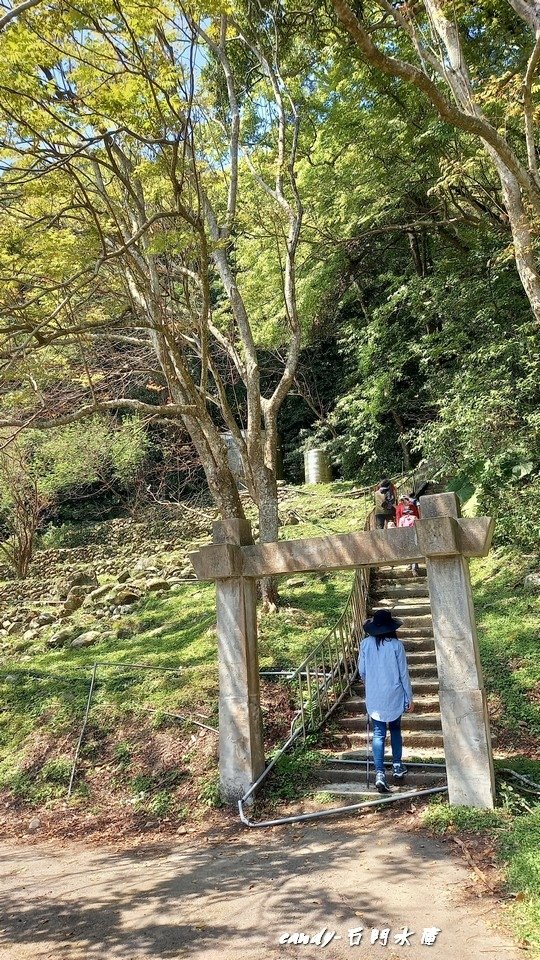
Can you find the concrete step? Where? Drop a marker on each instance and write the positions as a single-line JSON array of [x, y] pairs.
[[400, 573], [352, 776], [421, 674], [421, 688], [419, 644], [423, 703], [360, 754], [422, 627], [410, 633], [409, 586], [422, 671], [410, 721], [408, 613], [422, 604], [353, 767], [399, 591], [415, 656], [430, 742], [356, 792], [421, 656]]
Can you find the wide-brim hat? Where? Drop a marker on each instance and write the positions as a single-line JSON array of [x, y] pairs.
[[382, 621]]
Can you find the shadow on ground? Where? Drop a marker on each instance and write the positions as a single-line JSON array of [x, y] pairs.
[[229, 899]]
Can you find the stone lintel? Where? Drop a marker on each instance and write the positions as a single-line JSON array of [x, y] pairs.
[[476, 535], [438, 536], [471, 537], [440, 505], [339, 552], [218, 561]]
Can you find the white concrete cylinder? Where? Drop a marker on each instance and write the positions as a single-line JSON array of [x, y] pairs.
[[317, 466]]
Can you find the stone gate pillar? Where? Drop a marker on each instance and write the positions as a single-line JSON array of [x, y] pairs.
[[241, 750], [465, 722]]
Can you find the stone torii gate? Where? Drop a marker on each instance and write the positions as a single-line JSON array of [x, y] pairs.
[[445, 540]]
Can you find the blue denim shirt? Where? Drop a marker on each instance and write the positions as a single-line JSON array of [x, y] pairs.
[[386, 677]]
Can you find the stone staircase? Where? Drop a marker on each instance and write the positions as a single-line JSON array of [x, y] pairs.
[[344, 772]]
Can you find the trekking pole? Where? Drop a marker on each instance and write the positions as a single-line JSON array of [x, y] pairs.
[[368, 751]]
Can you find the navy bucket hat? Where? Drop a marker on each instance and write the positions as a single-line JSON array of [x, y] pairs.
[[382, 621]]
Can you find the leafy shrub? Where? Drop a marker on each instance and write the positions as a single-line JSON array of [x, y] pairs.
[[440, 815], [49, 783], [64, 536], [293, 772], [210, 792], [160, 804], [37, 469]]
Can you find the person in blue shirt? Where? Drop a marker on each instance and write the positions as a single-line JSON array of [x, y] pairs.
[[382, 665]]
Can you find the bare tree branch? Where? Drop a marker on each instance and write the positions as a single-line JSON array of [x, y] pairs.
[[16, 11], [170, 410]]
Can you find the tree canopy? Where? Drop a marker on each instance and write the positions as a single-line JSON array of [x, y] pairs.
[[201, 202]]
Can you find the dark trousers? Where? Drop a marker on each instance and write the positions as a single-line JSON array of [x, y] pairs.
[[381, 519]]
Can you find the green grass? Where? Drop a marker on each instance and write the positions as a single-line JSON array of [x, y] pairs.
[[516, 837], [519, 847], [42, 713], [509, 636], [293, 773], [508, 629], [440, 817]]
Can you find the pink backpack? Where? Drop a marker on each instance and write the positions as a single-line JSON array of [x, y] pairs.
[[407, 520]]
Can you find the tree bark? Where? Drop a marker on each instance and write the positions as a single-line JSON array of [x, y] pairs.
[[268, 532], [402, 442]]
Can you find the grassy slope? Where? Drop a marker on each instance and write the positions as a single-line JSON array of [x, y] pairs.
[[41, 716], [509, 635]]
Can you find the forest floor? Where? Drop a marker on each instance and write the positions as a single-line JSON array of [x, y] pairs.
[[145, 775]]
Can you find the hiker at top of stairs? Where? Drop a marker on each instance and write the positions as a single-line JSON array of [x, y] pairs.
[[385, 503], [407, 513], [382, 665]]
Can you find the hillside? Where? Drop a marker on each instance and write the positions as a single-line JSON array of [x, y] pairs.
[[146, 769], [134, 604]]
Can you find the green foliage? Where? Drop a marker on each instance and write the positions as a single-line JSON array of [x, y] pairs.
[[122, 753], [47, 784], [508, 621], [293, 772], [175, 630], [39, 469], [519, 848], [71, 457], [161, 803], [63, 536], [440, 816], [66, 458], [210, 792]]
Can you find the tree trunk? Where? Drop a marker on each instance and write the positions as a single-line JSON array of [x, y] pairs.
[[204, 435], [522, 236], [268, 533], [402, 442]]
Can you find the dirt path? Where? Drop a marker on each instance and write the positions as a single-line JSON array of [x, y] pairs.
[[234, 900]]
